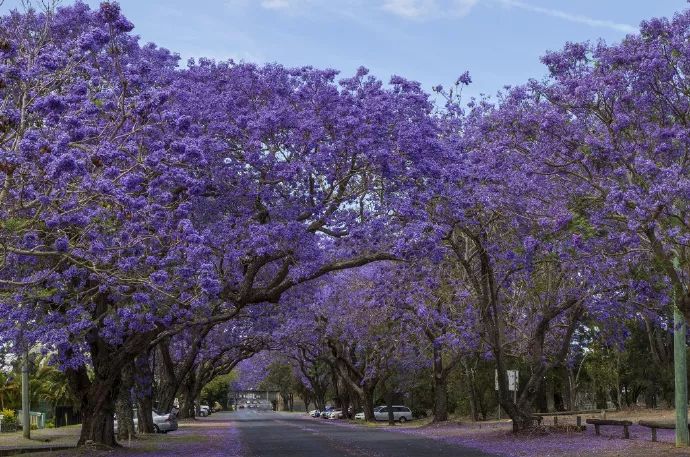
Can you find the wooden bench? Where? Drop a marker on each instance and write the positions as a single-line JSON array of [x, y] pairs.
[[541, 416], [599, 422], [575, 412], [654, 425]]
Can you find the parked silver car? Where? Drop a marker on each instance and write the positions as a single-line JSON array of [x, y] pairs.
[[400, 413], [162, 423]]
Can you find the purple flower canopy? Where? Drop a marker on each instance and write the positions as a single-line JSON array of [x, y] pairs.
[[222, 209]]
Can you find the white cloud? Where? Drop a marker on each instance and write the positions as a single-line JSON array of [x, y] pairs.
[[578, 18], [275, 4], [409, 8], [428, 8]]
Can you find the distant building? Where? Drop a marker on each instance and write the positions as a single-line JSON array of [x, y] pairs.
[[262, 399]]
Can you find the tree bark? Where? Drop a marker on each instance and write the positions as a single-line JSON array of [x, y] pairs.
[[143, 380], [97, 396], [440, 400], [368, 403], [173, 374], [145, 415], [97, 405], [440, 387], [124, 406], [471, 390], [187, 407]]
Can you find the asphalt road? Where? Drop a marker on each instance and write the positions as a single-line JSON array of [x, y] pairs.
[[269, 434]]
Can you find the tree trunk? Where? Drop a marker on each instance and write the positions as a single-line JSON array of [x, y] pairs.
[[346, 404], [389, 405], [368, 403], [173, 374], [440, 388], [97, 405], [143, 381], [97, 397], [145, 415], [169, 383], [187, 407], [472, 392], [320, 398], [97, 420], [166, 397], [440, 399], [123, 405]]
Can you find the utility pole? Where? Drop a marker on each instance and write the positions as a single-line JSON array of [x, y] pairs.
[[680, 368], [681, 375], [26, 415]]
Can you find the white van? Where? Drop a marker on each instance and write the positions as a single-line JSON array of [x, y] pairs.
[[400, 413]]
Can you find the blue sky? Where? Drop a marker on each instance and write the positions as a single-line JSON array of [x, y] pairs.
[[431, 41]]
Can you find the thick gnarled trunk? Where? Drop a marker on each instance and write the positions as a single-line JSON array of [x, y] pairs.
[[97, 395], [97, 404], [124, 406]]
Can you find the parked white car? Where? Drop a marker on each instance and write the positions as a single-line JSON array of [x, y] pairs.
[[162, 423], [204, 410], [359, 416], [400, 413], [336, 414], [314, 413]]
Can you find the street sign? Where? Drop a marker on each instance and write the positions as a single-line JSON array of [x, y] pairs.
[[513, 379]]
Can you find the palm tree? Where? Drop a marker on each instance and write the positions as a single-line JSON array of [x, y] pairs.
[[48, 383], [9, 390]]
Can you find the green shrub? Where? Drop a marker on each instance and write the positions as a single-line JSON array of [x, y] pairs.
[[10, 416], [9, 421]]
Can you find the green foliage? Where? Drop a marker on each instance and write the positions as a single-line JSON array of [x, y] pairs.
[[217, 389], [48, 383], [9, 391], [602, 366], [280, 378], [10, 417], [13, 224], [645, 374]]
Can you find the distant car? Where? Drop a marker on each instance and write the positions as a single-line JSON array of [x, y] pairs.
[[359, 416], [400, 413], [162, 423], [325, 413], [336, 414], [314, 413], [204, 410]]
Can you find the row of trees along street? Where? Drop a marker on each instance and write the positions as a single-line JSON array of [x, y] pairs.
[[161, 223]]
